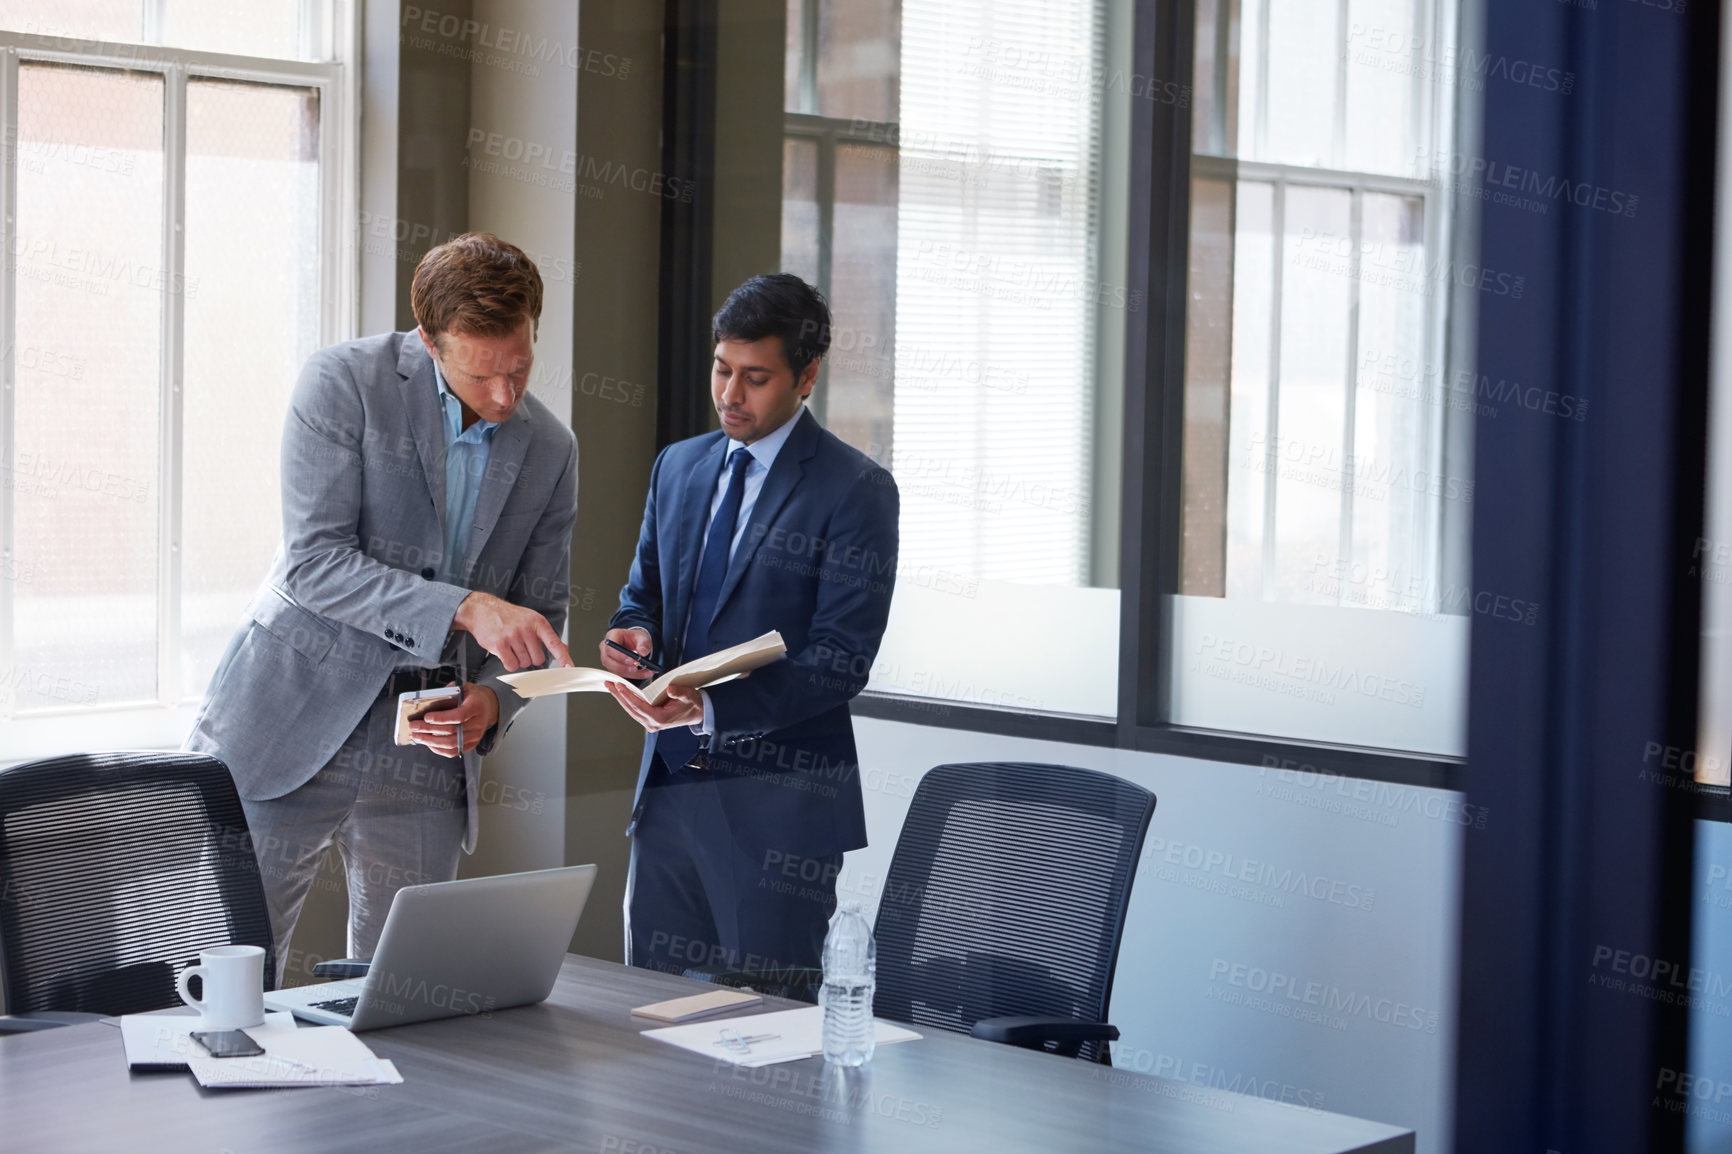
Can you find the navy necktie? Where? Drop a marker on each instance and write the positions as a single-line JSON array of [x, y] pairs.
[[678, 744]]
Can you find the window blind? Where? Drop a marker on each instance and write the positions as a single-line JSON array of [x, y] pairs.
[[996, 284]]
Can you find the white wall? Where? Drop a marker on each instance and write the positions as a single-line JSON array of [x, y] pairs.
[[1707, 1096], [522, 98], [1378, 938]]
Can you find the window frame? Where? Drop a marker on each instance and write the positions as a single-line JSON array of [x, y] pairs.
[[1357, 185], [1152, 509], [1150, 513], [158, 722], [1160, 171], [826, 132]]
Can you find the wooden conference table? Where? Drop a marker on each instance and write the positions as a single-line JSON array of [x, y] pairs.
[[574, 1074]]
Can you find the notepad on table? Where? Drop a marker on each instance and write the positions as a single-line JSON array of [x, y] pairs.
[[697, 1005]]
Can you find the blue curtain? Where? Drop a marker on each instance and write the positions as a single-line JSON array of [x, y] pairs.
[[1586, 848]]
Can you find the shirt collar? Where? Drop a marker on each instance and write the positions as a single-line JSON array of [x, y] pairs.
[[765, 449], [452, 407]]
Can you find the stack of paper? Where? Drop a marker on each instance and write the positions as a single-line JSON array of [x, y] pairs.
[[163, 1041], [764, 1039], [313, 1056]]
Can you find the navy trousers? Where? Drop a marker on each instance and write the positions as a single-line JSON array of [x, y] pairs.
[[698, 899]]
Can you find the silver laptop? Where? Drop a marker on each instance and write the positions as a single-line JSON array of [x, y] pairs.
[[454, 948]]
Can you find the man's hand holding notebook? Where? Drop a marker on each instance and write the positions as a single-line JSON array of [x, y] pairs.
[[700, 673]]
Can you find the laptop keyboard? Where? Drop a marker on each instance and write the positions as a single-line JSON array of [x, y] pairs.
[[343, 1006]]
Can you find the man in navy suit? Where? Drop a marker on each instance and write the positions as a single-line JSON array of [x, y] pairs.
[[749, 792]]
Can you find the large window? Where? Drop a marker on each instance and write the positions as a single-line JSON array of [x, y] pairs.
[[946, 182], [1318, 597], [959, 180], [170, 236]]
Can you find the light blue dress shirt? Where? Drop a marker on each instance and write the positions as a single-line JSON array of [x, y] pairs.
[[764, 451], [466, 453]]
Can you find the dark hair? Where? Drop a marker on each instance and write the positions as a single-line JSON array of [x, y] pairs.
[[777, 305], [476, 285]]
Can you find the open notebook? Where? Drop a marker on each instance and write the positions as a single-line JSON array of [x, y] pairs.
[[722, 665]]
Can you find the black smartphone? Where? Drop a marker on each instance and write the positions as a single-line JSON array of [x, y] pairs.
[[227, 1043]]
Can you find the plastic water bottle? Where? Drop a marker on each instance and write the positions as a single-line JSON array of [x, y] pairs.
[[850, 978]]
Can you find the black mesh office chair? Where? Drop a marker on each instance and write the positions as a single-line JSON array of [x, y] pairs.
[[116, 869], [1005, 902], [1003, 907]]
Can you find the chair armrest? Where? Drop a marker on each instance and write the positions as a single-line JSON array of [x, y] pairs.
[[800, 983], [342, 968], [1034, 1032], [46, 1020]]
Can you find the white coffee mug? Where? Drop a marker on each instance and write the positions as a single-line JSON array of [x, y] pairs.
[[234, 987]]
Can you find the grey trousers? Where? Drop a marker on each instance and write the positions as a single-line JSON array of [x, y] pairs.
[[395, 813]]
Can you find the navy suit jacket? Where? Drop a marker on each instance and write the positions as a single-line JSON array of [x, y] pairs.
[[817, 563]]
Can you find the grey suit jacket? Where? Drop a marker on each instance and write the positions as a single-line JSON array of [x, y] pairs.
[[351, 595]]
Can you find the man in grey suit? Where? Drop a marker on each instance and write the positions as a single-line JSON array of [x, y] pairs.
[[428, 504]]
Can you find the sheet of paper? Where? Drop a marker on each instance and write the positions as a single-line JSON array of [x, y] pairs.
[[163, 1042], [311, 1056], [796, 1034]]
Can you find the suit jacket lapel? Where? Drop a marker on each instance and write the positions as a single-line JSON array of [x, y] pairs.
[[784, 475], [700, 489], [421, 402], [504, 463]]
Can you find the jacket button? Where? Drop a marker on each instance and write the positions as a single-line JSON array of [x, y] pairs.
[[409, 641], [427, 573], [390, 635]]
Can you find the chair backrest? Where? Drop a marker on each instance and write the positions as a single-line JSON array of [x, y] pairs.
[[1007, 895], [116, 869]]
